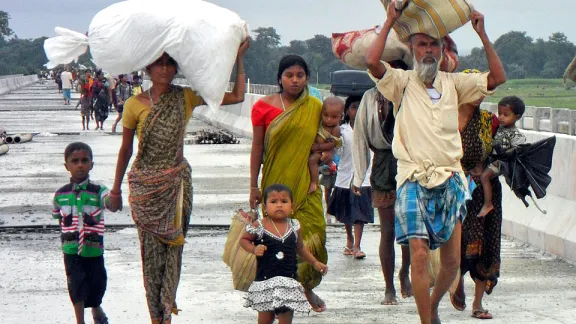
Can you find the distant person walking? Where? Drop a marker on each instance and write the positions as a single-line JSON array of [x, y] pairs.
[[66, 82], [58, 80], [123, 92]]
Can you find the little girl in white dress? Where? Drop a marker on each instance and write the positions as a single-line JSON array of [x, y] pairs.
[[276, 242]]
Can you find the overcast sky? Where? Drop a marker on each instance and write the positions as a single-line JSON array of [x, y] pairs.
[[302, 19]]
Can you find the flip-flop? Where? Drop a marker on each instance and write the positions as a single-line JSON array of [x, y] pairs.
[[481, 314], [359, 255], [457, 302], [348, 251]]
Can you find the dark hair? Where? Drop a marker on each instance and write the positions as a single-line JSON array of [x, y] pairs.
[[349, 101], [171, 61], [289, 61], [276, 188], [77, 146], [515, 103]]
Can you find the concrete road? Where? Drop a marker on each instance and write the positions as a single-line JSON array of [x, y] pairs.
[[534, 287], [33, 171]]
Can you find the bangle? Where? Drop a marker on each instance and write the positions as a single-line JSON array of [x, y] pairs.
[[254, 188], [254, 250], [115, 193], [237, 74]]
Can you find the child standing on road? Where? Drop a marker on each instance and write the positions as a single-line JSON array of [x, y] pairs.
[[276, 242], [79, 207], [510, 110]]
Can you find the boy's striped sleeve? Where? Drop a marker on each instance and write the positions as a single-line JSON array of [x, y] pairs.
[[104, 196], [56, 209]]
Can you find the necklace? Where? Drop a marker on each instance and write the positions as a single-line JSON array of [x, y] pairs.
[[150, 96], [282, 100], [280, 254], [280, 236]]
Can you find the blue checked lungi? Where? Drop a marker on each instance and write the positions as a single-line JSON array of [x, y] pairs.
[[430, 214]]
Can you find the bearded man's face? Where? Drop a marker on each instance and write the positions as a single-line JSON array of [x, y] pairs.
[[427, 52]]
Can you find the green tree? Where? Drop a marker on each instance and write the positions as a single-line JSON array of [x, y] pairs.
[[4, 26], [297, 47], [267, 37], [559, 55]]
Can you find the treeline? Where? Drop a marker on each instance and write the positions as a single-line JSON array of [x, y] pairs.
[[522, 56]]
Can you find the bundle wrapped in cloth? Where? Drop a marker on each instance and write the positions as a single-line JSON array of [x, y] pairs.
[[436, 18], [129, 35], [351, 48], [570, 72]]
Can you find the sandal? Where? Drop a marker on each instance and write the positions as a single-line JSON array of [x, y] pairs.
[[103, 320], [359, 255], [481, 314], [348, 251], [457, 302]]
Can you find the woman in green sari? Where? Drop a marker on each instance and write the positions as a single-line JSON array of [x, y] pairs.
[[284, 129]]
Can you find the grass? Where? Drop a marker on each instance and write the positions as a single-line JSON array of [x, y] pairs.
[[538, 93]]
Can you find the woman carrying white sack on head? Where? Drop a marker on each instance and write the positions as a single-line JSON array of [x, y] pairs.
[[201, 44], [155, 115]]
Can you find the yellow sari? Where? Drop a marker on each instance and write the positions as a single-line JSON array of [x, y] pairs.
[[286, 150]]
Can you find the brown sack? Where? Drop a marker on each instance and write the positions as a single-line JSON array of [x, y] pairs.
[[436, 18], [570, 72]]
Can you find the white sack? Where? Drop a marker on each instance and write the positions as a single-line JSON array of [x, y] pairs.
[[127, 36]]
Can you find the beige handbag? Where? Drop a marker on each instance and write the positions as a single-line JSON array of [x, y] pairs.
[[241, 263], [434, 268], [436, 18], [351, 47]]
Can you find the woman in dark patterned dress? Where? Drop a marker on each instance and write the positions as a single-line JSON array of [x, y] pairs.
[[480, 235]]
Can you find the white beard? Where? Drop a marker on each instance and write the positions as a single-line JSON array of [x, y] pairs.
[[426, 71]]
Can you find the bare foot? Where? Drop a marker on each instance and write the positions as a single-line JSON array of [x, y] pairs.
[[318, 305], [313, 187], [435, 319], [405, 285], [389, 299], [485, 210]]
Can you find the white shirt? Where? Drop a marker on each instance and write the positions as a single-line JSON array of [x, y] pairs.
[[66, 80], [345, 167], [367, 132]]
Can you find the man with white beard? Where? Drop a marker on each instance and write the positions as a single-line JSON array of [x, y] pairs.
[[431, 187]]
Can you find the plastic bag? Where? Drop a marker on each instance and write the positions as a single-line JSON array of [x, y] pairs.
[[127, 36]]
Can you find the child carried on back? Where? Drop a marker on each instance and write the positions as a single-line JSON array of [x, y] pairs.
[[327, 138]]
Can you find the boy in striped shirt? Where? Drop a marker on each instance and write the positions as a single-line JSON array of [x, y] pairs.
[[79, 207]]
